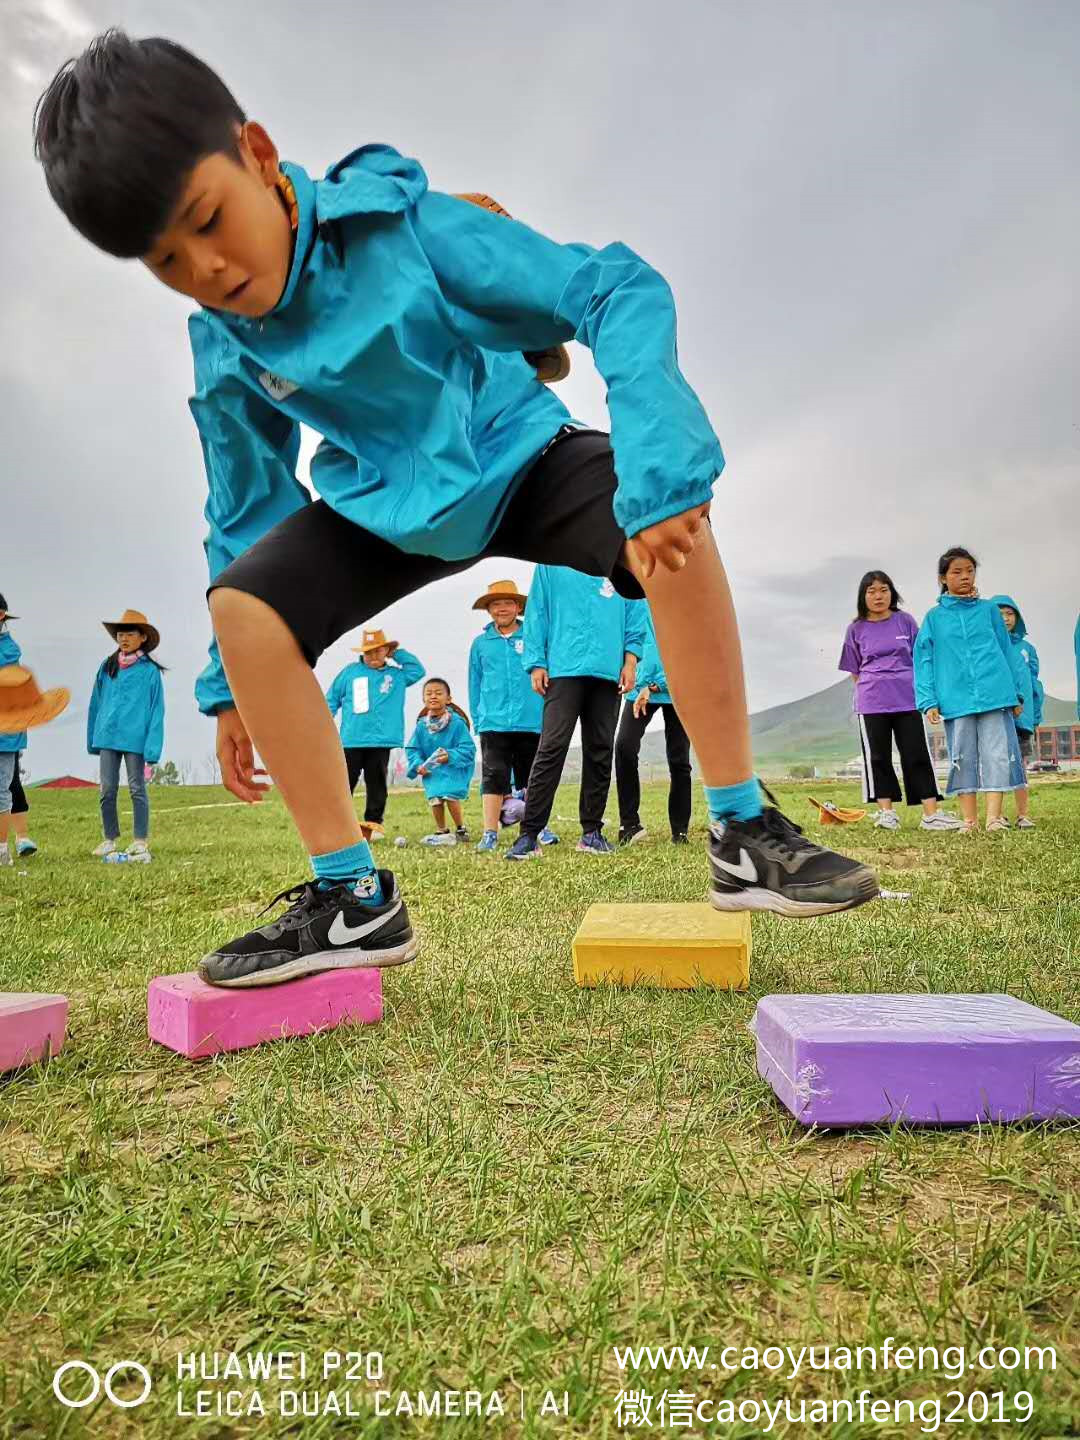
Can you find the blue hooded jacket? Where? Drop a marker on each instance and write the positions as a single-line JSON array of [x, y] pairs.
[[10, 654], [127, 711], [452, 780], [501, 697], [372, 701], [398, 337], [1034, 691], [651, 670], [965, 663], [580, 625]]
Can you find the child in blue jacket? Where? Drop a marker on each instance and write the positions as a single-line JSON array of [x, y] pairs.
[[506, 710], [126, 724], [370, 694], [442, 752], [11, 744], [650, 696], [1030, 718], [394, 320], [969, 674]]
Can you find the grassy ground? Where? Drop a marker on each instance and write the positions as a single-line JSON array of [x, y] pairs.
[[510, 1175]]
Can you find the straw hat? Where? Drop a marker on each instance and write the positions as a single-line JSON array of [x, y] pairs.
[[552, 364], [372, 639], [22, 705], [135, 620], [501, 590], [831, 814]]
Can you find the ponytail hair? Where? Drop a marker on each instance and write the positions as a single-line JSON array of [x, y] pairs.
[[112, 664], [438, 680]]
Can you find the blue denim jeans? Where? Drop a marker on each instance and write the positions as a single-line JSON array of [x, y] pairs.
[[7, 771], [110, 783]]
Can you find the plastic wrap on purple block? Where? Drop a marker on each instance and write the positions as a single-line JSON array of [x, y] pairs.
[[841, 1060]]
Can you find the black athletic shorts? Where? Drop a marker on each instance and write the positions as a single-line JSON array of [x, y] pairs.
[[325, 576], [506, 757]]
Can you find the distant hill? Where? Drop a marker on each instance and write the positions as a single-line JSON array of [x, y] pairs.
[[819, 729]]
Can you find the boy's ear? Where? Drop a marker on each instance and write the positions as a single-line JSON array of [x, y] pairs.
[[258, 152]]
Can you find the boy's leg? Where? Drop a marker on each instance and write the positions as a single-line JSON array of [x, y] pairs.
[[376, 768], [494, 775], [526, 743], [562, 709], [627, 774], [140, 804], [109, 762], [677, 744], [994, 799], [599, 716], [438, 814], [457, 815], [354, 765]]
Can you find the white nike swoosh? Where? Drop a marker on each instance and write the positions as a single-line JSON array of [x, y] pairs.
[[341, 934], [745, 869]]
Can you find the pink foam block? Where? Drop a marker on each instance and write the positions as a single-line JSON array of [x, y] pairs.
[[197, 1019], [32, 1027], [839, 1060]]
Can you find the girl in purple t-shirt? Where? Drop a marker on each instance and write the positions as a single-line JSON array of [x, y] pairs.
[[877, 654]]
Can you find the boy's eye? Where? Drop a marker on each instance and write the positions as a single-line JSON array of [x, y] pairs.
[[209, 225]]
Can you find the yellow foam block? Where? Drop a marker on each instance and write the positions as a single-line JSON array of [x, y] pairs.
[[674, 946]]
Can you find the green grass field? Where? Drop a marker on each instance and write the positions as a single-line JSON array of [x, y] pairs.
[[510, 1176]]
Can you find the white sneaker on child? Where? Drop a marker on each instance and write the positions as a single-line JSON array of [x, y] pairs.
[[5, 856], [886, 820], [138, 853], [440, 837], [107, 847], [940, 820], [1025, 822]]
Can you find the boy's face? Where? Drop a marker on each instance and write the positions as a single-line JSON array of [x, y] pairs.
[[435, 698], [503, 612], [228, 243], [377, 658], [960, 577], [1008, 614]]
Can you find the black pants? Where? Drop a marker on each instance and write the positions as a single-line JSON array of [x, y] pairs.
[[371, 761], [595, 703], [628, 779], [19, 803], [507, 757], [879, 778]]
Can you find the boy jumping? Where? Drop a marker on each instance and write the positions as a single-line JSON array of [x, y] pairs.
[[392, 319]]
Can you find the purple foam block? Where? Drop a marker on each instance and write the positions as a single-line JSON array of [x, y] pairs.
[[32, 1027], [837, 1060], [197, 1019]]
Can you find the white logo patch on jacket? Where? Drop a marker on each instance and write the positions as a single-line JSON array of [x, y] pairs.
[[277, 387]]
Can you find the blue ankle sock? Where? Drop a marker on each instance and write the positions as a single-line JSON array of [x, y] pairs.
[[354, 866], [734, 802]]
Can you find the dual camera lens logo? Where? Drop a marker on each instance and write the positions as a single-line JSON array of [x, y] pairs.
[[125, 1372]]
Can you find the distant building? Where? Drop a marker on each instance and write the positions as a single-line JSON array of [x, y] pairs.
[[1054, 744]]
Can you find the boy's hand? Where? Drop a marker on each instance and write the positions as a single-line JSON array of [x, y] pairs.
[[641, 700], [236, 756], [439, 758], [934, 715], [628, 675], [1018, 710], [540, 680], [423, 770], [667, 544]]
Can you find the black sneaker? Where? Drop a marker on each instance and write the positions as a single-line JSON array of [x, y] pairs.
[[462, 833], [680, 838], [630, 834], [768, 864], [323, 929]]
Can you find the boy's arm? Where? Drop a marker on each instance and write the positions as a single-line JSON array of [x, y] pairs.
[[634, 630], [476, 675], [511, 288], [923, 656], [412, 668], [335, 696], [155, 726], [462, 755], [250, 451], [535, 630]]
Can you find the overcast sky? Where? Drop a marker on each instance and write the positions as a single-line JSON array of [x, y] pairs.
[[869, 213]]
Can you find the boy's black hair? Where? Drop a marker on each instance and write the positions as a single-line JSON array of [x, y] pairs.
[[871, 577], [438, 680], [955, 552], [120, 129], [112, 664]]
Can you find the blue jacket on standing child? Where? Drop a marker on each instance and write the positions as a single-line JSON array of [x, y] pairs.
[[372, 701], [452, 780], [965, 663], [1034, 692], [127, 711], [10, 654], [580, 625], [501, 696]]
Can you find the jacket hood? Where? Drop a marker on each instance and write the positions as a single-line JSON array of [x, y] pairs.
[[949, 600], [373, 180], [1021, 629]]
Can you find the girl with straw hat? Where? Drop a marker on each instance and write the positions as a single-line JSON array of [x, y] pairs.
[[126, 724], [22, 707]]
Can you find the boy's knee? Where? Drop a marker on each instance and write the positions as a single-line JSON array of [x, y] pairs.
[[236, 613]]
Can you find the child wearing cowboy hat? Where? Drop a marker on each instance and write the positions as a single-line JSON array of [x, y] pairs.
[[370, 696], [22, 707], [506, 710], [394, 319], [126, 724]]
